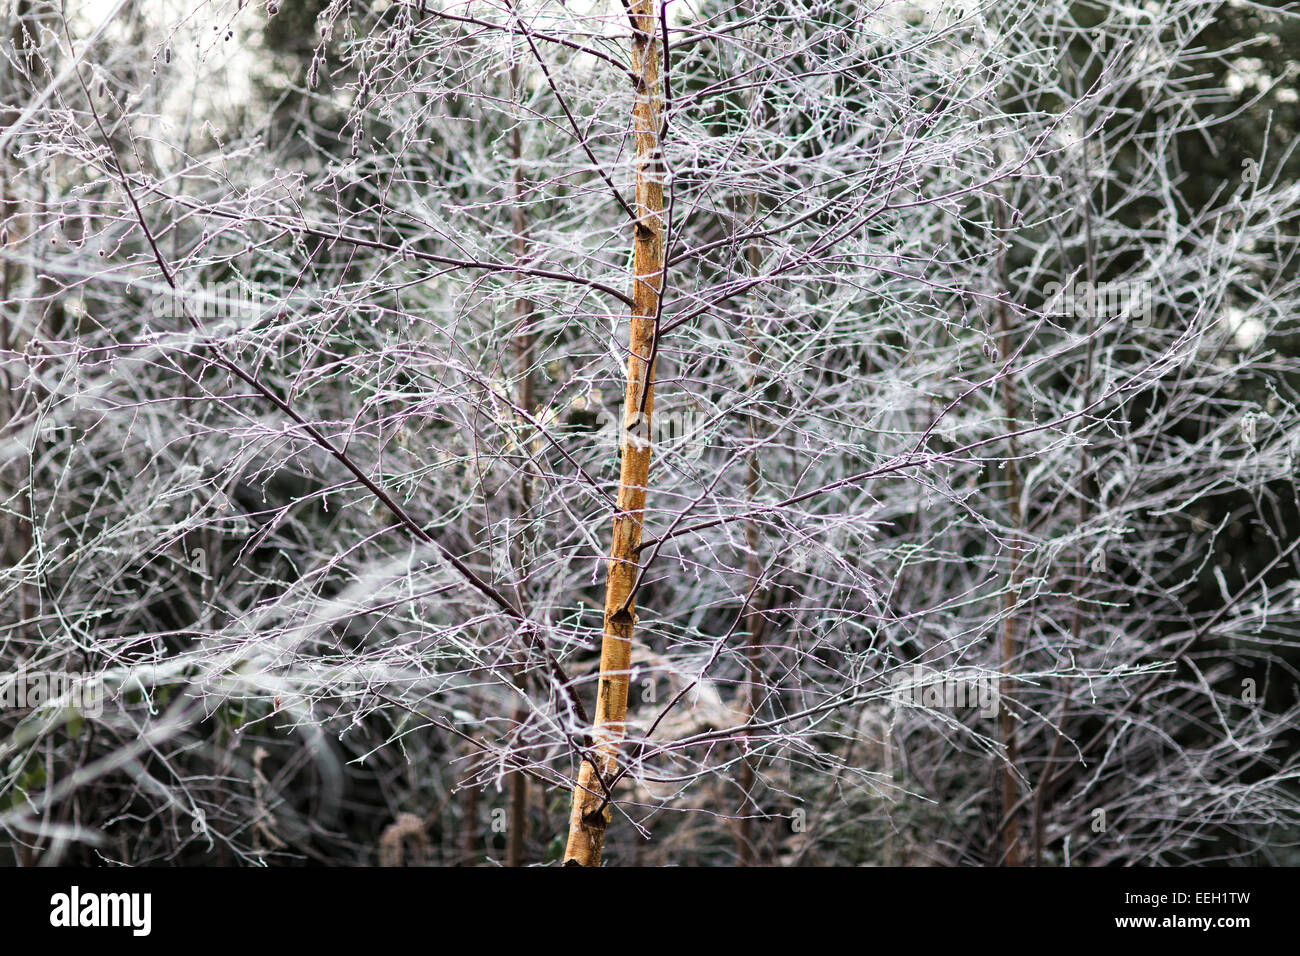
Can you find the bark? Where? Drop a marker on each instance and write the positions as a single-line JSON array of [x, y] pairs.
[[470, 826], [747, 853], [517, 831], [591, 812], [1012, 850]]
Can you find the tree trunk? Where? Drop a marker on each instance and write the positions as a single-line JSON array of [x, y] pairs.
[[591, 812], [747, 853], [517, 828], [1012, 851]]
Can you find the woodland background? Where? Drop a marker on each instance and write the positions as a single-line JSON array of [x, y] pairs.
[[881, 441]]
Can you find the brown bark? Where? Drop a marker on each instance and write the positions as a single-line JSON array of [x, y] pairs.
[[591, 813], [747, 853], [17, 224], [471, 827], [517, 829]]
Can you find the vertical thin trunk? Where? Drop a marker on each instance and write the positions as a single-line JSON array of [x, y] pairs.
[[747, 853], [17, 529], [15, 477], [591, 813], [517, 826], [517, 830], [1012, 852], [19, 224], [470, 826]]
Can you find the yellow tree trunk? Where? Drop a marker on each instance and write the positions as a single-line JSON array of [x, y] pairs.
[[591, 812]]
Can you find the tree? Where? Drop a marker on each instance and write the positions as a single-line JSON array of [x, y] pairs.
[[948, 403]]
